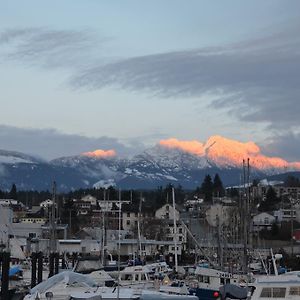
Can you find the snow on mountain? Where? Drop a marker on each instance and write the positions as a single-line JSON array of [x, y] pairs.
[[94, 167], [170, 161], [227, 153], [12, 157]]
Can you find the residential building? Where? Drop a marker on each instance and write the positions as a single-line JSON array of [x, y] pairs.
[[263, 221]]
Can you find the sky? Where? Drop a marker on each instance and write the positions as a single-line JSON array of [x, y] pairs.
[[76, 76]]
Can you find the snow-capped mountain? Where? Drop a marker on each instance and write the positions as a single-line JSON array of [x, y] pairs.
[[170, 161], [13, 157]]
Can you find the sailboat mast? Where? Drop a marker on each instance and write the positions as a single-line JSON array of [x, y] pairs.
[[103, 229], [53, 220], [175, 230], [119, 245], [139, 228]]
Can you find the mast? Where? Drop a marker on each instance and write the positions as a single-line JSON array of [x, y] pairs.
[[175, 230], [220, 246], [119, 245], [103, 230], [139, 228], [53, 220]]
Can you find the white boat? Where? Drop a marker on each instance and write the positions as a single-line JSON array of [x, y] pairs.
[[285, 286], [136, 276], [70, 285]]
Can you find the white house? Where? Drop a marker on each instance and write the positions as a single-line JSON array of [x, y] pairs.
[[263, 221], [88, 198], [47, 203], [167, 212], [285, 214], [130, 220]]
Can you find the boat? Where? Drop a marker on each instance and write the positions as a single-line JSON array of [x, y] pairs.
[[277, 287], [70, 285], [208, 281]]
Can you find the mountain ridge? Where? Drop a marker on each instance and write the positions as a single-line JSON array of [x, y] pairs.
[[170, 161]]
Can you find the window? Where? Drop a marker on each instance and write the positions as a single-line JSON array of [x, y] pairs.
[[128, 222], [266, 293], [128, 214], [206, 279], [279, 292], [295, 290], [180, 239], [273, 292]]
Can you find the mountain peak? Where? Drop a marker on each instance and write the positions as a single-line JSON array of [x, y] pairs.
[[225, 152]]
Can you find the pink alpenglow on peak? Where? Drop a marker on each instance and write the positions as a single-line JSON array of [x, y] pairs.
[[99, 153], [192, 147], [227, 152]]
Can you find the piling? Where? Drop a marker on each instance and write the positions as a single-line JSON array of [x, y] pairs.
[[5, 259], [51, 264], [40, 267], [33, 269]]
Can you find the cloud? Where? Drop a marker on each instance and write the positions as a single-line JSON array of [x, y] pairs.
[[99, 153], [256, 80], [286, 145], [50, 143], [227, 152], [193, 147], [48, 48]]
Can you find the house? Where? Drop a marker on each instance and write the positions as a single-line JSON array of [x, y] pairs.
[[262, 221], [167, 212], [90, 199], [14, 204], [286, 191], [286, 215], [82, 207], [46, 204]]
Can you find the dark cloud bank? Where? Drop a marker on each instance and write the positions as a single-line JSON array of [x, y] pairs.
[[50, 143], [257, 81]]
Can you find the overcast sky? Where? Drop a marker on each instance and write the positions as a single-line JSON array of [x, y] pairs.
[[76, 76]]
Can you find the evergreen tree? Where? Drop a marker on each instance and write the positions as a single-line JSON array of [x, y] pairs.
[[218, 188], [13, 192], [292, 181], [207, 188], [270, 201]]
